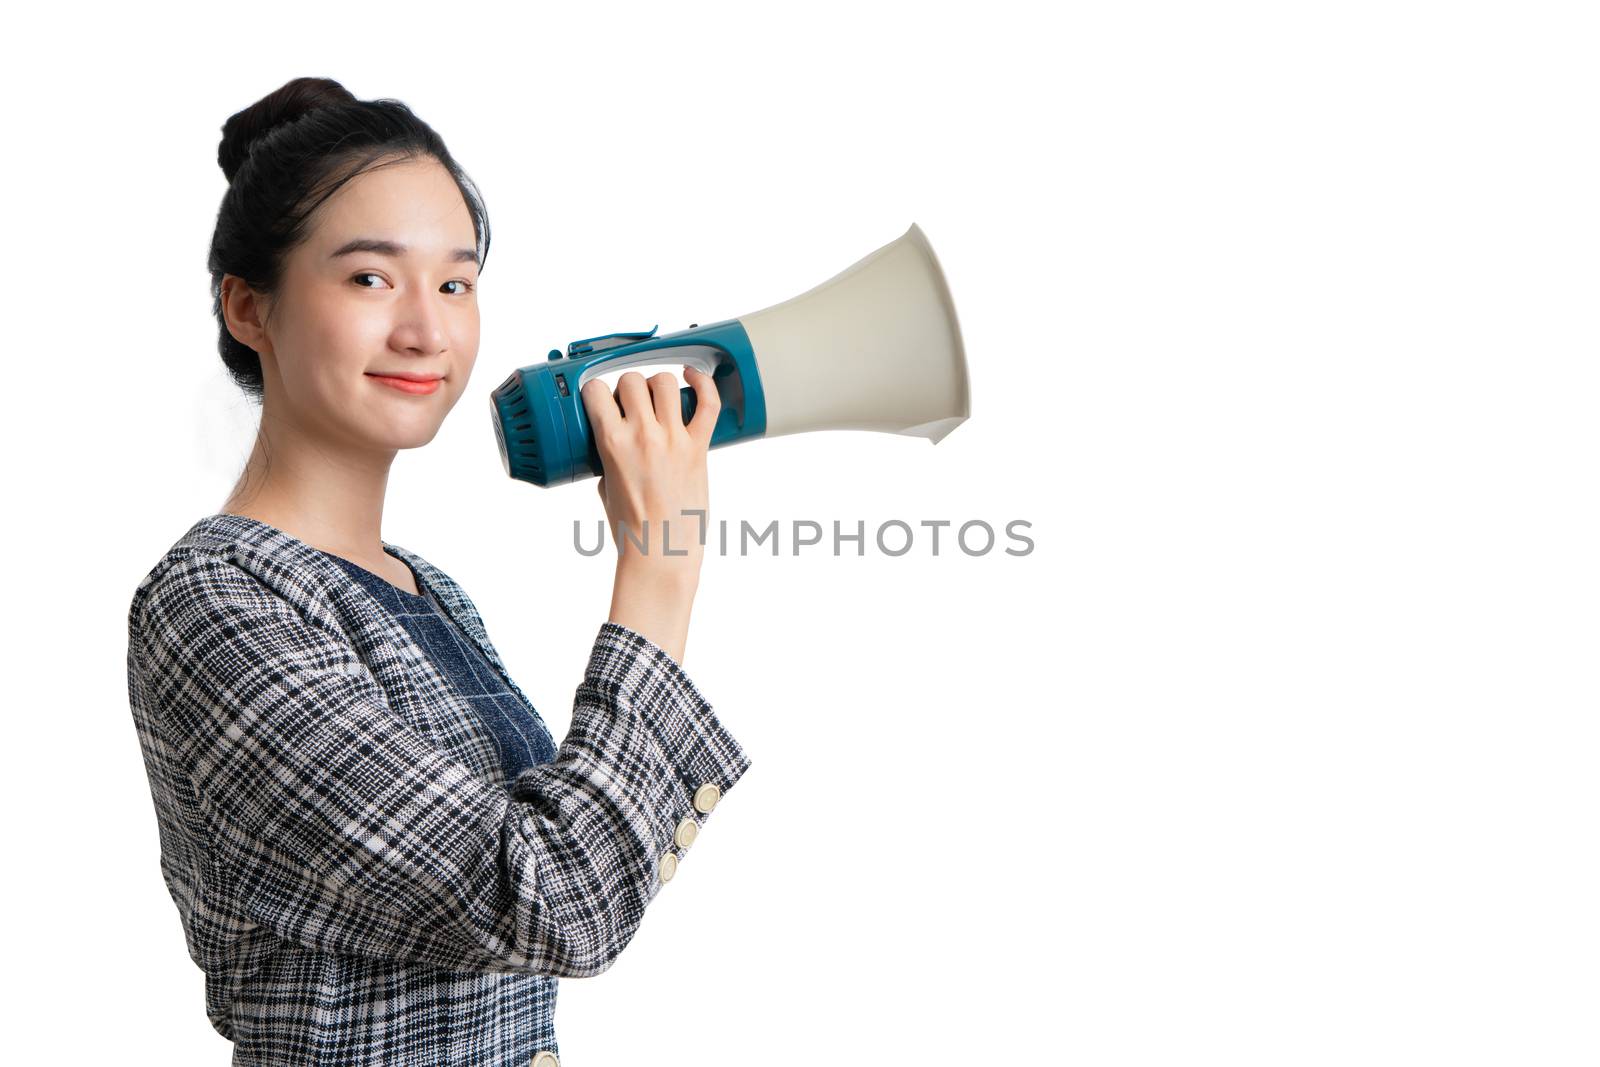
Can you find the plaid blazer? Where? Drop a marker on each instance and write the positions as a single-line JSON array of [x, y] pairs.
[[352, 870]]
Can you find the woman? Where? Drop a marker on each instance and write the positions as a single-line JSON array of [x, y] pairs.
[[378, 854]]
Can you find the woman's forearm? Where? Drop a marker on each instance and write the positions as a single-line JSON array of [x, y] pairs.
[[655, 477], [655, 602]]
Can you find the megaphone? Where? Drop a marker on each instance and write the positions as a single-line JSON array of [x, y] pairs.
[[875, 347]]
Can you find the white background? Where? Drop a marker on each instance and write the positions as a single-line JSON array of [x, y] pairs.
[[1279, 747]]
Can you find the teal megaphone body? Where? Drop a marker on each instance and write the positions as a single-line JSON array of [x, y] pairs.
[[875, 347]]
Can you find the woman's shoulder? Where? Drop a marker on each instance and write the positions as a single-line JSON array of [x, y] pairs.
[[227, 560], [226, 556]]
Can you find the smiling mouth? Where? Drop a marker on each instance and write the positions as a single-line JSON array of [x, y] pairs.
[[409, 377], [416, 386]]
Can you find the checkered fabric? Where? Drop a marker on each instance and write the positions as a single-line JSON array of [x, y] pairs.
[[354, 873]]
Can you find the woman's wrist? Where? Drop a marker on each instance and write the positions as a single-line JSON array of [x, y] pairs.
[[656, 602]]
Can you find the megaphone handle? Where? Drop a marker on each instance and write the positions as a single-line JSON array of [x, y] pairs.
[[721, 349], [731, 420]]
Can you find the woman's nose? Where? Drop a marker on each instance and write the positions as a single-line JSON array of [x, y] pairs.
[[421, 325]]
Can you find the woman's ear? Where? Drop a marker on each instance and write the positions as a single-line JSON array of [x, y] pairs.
[[242, 311]]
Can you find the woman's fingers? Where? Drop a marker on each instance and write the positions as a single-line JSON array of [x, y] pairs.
[[601, 406], [657, 401], [668, 406], [635, 398], [707, 405]]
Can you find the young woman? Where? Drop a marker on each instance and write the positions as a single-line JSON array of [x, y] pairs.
[[378, 854]]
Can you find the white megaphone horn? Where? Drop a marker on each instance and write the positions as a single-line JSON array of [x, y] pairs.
[[875, 347]]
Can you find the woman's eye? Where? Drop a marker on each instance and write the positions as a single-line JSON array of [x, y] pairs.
[[467, 286]]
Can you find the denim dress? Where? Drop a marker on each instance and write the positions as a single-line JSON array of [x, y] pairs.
[[523, 738]]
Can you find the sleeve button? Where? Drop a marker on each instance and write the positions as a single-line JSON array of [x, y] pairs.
[[706, 797], [685, 834], [669, 866], [544, 1059]]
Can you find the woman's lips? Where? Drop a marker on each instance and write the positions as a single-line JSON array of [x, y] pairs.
[[406, 386]]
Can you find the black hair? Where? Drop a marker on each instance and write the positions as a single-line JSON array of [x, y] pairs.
[[286, 154]]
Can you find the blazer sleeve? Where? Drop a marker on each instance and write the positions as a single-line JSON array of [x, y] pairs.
[[339, 828]]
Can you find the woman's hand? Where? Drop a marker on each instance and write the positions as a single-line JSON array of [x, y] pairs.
[[655, 495]]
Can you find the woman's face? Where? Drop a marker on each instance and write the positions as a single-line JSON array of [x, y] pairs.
[[386, 284]]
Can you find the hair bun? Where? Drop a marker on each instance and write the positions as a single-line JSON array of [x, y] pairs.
[[279, 107]]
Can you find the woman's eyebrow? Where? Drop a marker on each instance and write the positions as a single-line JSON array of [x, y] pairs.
[[395, 248]]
